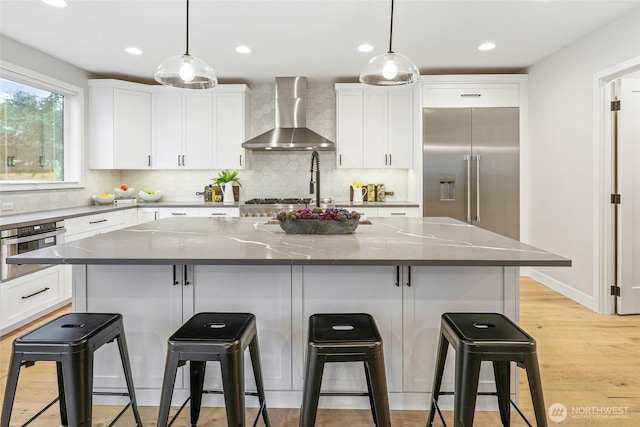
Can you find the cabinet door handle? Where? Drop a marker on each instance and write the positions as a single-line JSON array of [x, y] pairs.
[[240, 159], [385, 159], [398, 213], [409, 276], [178, 213], [149, 160], [340, 159], [35, 293], [179, 160], [175, 279], [183, 160], [218, 214], [98, 221], [470, 95], [186, 281], [397, 276], [389, 159]]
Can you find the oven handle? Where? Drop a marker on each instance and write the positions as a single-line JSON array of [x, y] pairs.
[[33, 237]]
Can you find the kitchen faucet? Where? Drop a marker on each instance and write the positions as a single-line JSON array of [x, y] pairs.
[[315, 178]]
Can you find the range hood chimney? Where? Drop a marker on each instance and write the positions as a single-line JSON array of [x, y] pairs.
[[290, 133]]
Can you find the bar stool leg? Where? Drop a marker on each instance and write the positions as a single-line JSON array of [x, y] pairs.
[[502, 375], [64, 420], [10, 389], [443, 348], [254, 353], [379, 389], [196, 373], [232, 365], [372, 404], [168, 382], [311, 389], [535, 386], [464, 401], [77, 374], [128, 375]]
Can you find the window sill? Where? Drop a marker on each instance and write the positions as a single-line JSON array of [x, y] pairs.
[[6, 187]]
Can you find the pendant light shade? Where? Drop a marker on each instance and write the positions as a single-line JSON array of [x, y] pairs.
[[186, 71], [390, 69]]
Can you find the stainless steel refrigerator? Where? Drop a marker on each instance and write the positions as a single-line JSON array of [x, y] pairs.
[[471, 166]]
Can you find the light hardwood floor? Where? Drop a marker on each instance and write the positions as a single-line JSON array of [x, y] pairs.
[[590, 363]]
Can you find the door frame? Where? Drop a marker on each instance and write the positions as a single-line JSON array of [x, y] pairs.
[[603, 182]]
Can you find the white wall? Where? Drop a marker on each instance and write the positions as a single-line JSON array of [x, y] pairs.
[[561, 161], [30, 201]]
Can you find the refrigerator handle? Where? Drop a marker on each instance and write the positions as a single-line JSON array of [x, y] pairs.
[[478, 188], [467, 158]]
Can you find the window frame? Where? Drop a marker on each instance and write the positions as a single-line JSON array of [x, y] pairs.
[[73, 124]]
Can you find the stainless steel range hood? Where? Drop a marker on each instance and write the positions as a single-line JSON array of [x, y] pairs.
[[290, 133]]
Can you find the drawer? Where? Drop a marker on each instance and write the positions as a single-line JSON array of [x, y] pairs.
[[402, 212], [31, 295], [94, 223], [470, 95], [220, 212]]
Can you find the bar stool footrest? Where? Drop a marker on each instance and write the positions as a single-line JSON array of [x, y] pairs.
[[482, 393]]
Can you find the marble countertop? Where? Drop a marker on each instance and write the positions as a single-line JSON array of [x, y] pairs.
[[234, 241]]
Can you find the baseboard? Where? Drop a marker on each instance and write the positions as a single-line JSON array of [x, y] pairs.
[[564, 289]]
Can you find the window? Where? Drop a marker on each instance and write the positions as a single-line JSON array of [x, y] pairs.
[[40, 128]]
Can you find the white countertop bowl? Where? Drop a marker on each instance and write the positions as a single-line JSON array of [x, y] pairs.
[[121, 194], [103, 200], [150, 197]]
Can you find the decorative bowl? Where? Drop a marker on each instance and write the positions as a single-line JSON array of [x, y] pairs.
[[103, 200], [319, 226], [157, 195], [121, 194]]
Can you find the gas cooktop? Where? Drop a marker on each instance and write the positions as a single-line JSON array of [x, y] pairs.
[[270, 207], [274, 201]]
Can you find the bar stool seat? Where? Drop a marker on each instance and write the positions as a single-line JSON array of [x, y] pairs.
[[70, 340], [221, 337], [345, 337], [479, 337]]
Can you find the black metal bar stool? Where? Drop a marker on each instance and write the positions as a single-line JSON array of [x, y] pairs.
[[479, 337], [219, 337], [70, 340], [351, 337]]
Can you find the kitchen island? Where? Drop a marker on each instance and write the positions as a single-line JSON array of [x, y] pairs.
[[404, 271]]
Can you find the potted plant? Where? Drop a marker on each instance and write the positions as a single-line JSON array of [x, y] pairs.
[[225, 180]]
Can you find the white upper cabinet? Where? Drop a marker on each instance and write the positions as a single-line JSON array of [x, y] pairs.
[[231, 121], [374, 127], [182, 130], [135, 126], [119, 125]]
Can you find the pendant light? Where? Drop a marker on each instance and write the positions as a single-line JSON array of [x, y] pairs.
[[186, 71], [389, 69]]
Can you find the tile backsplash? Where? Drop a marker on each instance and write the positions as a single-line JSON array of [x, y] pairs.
[[273, 174]]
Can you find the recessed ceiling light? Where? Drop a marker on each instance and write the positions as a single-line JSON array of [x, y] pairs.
[[133, 51], [365, 48], [487, 46], [243, 49], [56, 3]]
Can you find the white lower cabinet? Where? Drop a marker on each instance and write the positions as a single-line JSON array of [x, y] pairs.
[[28, 297], [346, 289], [428, 292], [151, 306], [265, 291]]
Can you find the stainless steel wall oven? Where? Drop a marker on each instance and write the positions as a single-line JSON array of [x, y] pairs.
[[25, 239]]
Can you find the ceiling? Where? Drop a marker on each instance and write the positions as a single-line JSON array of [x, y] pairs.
[[313, 38]]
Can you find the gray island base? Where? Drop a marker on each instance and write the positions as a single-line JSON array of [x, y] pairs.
[[404, 271]]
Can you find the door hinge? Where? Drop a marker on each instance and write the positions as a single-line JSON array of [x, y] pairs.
[[615, 105], [615, 199], [615, 290]]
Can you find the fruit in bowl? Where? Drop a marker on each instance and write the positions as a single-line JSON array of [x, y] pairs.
[[124, 192], [150, 195], [319, 221], [103, 198]]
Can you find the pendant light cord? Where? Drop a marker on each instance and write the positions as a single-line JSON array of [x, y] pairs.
[[390, 29], [187, 52]]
